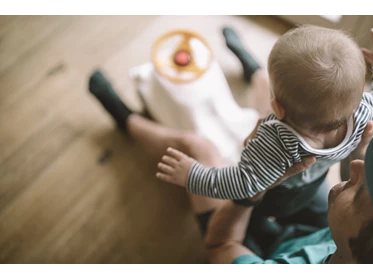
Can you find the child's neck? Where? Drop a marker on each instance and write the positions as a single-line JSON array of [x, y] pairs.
[[324, 140]]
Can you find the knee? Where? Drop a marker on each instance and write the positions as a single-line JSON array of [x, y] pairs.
[[198, 148], [188, 143]]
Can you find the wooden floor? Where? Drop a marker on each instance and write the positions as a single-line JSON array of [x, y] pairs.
[[72, 188]]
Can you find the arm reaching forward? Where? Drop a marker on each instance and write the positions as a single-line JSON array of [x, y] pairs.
[[263, 161]]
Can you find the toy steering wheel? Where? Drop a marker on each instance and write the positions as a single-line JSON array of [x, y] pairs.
[[186, 62]]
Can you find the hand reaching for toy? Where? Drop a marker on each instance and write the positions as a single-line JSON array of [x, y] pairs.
[[175, 167]]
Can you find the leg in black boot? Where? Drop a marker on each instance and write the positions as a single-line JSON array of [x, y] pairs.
[[101, 88], [234, 44]]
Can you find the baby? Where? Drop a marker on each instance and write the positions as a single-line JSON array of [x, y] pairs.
[[317, 78]]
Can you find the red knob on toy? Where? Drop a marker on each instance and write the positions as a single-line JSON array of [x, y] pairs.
[[182, 58]]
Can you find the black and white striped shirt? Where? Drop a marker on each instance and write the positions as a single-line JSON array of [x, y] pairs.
[[276, 148]]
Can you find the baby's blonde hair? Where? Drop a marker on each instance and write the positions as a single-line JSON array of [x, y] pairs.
[[317, 74]]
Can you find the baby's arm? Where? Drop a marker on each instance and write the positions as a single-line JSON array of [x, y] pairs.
[[263, 161]]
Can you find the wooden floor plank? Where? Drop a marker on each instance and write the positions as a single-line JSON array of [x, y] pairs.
[[74, 46], [28, 35], [71, 228], [58, 79], [21, 121], [6, 23], [32, 158]]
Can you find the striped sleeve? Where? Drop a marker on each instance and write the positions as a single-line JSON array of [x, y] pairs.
[[368, 99], [263, 161]]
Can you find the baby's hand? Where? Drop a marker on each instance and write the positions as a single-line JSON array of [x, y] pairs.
[[175, 167]]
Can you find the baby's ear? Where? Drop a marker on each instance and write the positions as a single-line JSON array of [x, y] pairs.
[[278, 109]]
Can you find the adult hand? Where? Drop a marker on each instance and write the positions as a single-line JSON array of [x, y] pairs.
[[295, 169]]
